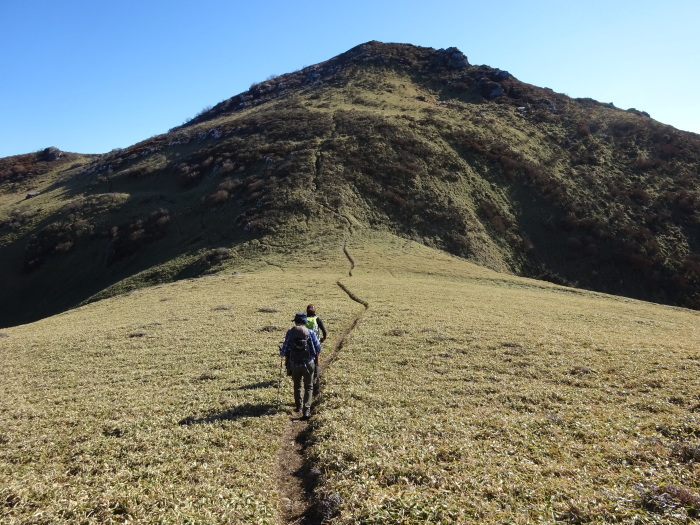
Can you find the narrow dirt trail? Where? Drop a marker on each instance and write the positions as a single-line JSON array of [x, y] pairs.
[[296, 479]]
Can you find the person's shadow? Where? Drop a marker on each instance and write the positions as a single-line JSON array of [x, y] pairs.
[[240, 412], [255, 386], [233, 414]]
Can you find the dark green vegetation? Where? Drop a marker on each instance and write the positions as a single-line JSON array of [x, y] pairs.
[[394, 137]]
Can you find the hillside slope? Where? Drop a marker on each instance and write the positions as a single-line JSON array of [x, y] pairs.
[[395, 137], [461, 395]]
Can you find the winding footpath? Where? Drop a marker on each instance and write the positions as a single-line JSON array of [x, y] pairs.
[[296, 477]]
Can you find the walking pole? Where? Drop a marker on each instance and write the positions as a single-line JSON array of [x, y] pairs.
[[279, 379], [279, 383]]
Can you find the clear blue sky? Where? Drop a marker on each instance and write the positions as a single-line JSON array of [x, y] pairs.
[[93, 75]]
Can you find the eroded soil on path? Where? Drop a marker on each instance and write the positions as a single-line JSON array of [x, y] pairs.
[[296, 478]]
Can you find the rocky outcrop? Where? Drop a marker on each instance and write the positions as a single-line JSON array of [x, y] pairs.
[[452, 57], [51, 154], [488, 88]]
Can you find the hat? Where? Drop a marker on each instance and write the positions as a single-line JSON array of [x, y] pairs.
[[300, 318]]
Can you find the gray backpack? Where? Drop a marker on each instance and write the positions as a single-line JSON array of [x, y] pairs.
[[300, 351]]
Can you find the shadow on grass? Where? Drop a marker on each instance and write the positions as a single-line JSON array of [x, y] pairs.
[[261, 384], [233, 414]]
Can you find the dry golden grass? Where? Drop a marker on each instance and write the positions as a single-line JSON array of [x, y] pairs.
[[462, 396], [157, 407]]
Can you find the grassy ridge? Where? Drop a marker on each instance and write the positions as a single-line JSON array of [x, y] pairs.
[[462, 395]]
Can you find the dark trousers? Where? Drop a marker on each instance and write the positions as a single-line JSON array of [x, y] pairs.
[[305, 373]]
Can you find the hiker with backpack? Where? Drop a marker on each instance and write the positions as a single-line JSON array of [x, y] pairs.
[[301, 347], [315, 323]]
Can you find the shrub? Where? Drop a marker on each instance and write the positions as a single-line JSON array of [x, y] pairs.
[[55, 238], [18, 218], [63, 247], [495, 216], [217, 255], [219, 197], [647, 164], [669, 151], [666, 498], [188, 176], [691, 264], [141, 172], [128, 238], [395, 196], [639, 195], [227, 167]]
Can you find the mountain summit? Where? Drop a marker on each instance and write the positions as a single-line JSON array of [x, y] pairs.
[[395, 137]]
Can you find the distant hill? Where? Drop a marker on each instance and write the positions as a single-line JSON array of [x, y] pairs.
[[394, 137]]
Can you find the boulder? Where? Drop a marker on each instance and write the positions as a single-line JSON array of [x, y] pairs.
[[498, 75], [547, 102], [637, 112], [488, 88], [51, 154], [453, 57]]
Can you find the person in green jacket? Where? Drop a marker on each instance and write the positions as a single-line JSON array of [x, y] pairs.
[[315, 323]]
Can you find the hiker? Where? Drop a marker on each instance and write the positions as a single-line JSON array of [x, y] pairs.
[[301, 347], [314, 322]]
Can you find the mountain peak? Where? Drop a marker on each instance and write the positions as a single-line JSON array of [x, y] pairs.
[[412, 59], [396, 137], [385, 52]]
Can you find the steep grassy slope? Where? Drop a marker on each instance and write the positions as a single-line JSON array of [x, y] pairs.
[[462, 395], [398, 138]]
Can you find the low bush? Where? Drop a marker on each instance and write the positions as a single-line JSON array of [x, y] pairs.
[[127, 238]]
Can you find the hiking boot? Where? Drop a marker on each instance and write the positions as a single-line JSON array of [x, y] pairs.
[[297, 408], [307, 414]]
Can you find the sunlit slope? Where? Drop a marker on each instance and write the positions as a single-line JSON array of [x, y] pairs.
[[160, 405], [462, 395], [470, 397]]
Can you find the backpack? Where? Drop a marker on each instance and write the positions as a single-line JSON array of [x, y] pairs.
[[312, 324], [299, 352]]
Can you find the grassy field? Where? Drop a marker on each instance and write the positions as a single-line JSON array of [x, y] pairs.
[[461, 396], [467, 397], [159, 406]]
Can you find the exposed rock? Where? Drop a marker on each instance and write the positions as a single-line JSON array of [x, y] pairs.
[[488, 88], [549, 103], [262, 89], [51, 154], [312, 74], [454, 57], [207, 134], [637, 112], [498, 75]]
